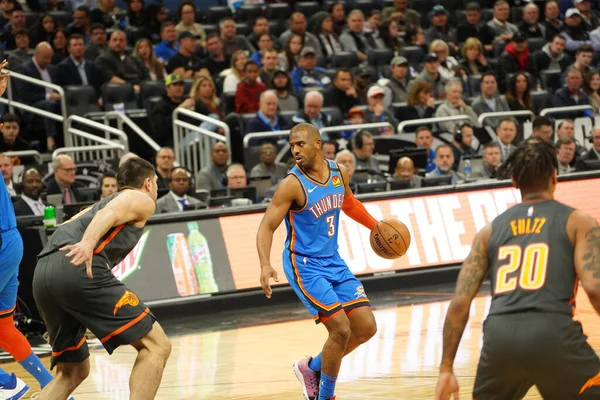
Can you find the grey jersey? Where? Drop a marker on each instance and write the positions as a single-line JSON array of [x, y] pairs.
[[112, 247], [532, 260]]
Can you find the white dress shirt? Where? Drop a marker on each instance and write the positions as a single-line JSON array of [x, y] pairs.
[[11, 189], [36, 205], [45, 77], [178, 200]]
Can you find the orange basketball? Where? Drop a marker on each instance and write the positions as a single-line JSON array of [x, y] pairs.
[[390, 238]]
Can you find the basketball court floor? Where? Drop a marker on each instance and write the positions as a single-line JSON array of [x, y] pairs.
[[248, 354]]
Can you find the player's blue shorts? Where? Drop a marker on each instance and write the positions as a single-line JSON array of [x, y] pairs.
[[326, 285], [11, 252]]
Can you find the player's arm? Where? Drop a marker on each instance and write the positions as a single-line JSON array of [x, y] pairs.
[[472, 274], [131, 207], [352, 207], [287, 193], [587, 254]]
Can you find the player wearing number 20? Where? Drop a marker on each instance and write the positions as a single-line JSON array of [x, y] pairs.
[[536, 252]]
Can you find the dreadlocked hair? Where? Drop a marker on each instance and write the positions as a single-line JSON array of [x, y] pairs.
[[531, 165]]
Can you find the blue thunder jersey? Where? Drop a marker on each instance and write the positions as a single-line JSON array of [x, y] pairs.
[[312, 230], [8, 220]]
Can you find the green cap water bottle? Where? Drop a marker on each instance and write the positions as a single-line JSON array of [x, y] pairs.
[[49, 217]]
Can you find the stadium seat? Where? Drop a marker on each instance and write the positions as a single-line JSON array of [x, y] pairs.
[[276, 28], [451, 5], [551, 80], [81, 100], [399, 111], [535, 44], [208, 29], [414, 54], [62, 18], [516, 14], [278, 12], [366, 6], [215, 14], [475, 85], [115, 93], [151, 89], [243, 29], [336, 115], [248, 12], [308, 8], [380, 57], [228, 102], [344, 59], [31, 18], [540, 99], [188, 83]]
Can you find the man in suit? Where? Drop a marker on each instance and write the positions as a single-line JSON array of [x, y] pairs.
[[571, 95], [6, 169], [491, 162], [593, 153], [506, 131], [76, 70], [38, 96], [63, 181], [489, 100], [30, 202], [177, 198], [267, 118]]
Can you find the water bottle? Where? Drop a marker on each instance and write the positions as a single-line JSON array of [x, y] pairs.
[[49, 217], [468, 170]]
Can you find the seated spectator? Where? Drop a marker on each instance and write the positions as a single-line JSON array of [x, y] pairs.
[[11, 141], [542, 129], [212, 176], [502, 29], [518, 95], [489, 100], [420, 101], [396, 89], [514, 59], [204, 92], [355, 116], [415, 36], [589, 16], [491, 162], [269, 66], [313, 102], [217, 60], [237, 178], [185, 63], [454, 105], [249, 90], [401, 13], [165, 160], [81, 23], [17, 22], [144, 52], [475, 28], [267, 118], [235, 74], [506, 132], [265, 41], [260, 26], [362, 83], [297, 26], [462, 140], [565, 153], [168, 45], [38, 96], [76, 70], [363, 146], [342, 93], [444, 160], [529, 26], [571, 95], [5, 8], [97, 45], [405, 171], [287, 59], [63, 181], [355, 39], [583, 59], [22, 53], [431, 75], [155, 14], [108, 184], [231, 41], [424, 140], [307, 74], [474, 62], [187, 11], [551, 57], [346, 158], [118, 67], [329, 149], [282, 85], [6, 168], [591, 87], [566, 129], [30, 202], [177, 199], [377, 113], [575, 31], [593, 153], [135, 15], [267, 165], [440, 29], [59, 45], [105, 12], [323, 30], [552, 21]]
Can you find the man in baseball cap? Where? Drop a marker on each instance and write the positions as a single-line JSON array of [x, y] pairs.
[[307, 74], [431, 75], [185, 63], [377, 113], [396, 89]]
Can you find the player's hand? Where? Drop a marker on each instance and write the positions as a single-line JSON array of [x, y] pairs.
[[3, 77], [266, 274], [447, 387], [82, 252]]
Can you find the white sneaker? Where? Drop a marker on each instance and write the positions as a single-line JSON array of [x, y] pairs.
[[13, 390]]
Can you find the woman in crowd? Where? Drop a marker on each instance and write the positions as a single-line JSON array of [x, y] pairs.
[[421, 103], [59, 45], [288, 58], [321, 25], [518, 95], [145, 52], [42, 30], [204, 92], [474, 62], [187, 22], [449, 67], [592, 89], [389, 34], [234, 75]]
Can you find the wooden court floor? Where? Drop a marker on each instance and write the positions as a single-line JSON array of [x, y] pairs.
[[400, 362]]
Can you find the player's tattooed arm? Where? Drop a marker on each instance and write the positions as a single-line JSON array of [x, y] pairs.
[[472, 274], [587, 255]]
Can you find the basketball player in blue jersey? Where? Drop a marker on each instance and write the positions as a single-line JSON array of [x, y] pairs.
[[11, 252], [310, 199]]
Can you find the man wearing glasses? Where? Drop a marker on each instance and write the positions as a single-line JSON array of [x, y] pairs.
[[63, 181]]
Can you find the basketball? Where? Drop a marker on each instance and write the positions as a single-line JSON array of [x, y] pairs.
[[390, 238]]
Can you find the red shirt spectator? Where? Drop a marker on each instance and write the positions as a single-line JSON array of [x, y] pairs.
[[248, 91]]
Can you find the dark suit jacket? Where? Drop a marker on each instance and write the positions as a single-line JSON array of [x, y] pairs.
[[22, 208], [590, 155], [257, 125], [562, 98], [29, 93], [53, 188], [541, 61], [68, 74]]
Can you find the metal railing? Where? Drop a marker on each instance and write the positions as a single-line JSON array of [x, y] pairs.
[[427, 121], [119, 150], [194, 153], [12, 103], [555, 110], [90, 142], [123, 119], [26, 153], [500, 114], [263, 135]]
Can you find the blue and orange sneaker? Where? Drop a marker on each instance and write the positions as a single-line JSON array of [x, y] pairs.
[[308, 378], [14, 389]]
